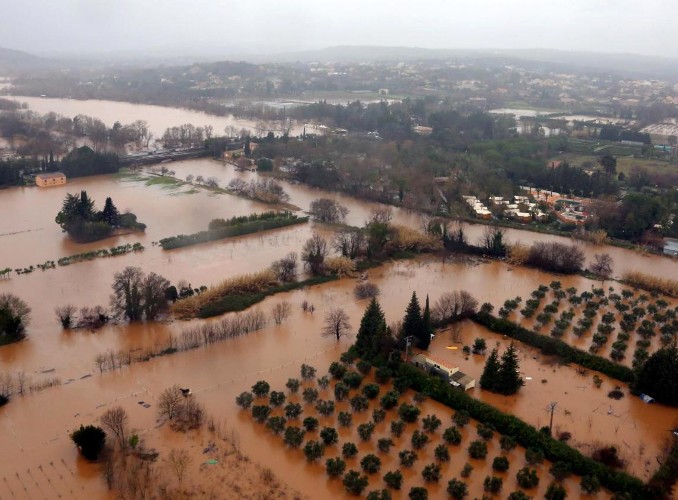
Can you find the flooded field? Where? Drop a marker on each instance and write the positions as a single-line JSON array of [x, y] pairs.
[[29, 236]]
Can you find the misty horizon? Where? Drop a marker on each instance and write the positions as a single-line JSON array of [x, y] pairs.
[[66, 28]]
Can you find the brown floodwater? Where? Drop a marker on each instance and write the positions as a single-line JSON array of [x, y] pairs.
[[159, 118], [218, 373], [29, 235]]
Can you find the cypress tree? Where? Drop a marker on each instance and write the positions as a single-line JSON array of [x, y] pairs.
[[509, 380], [427, 327], [490, 377], [372, 330], [110, 214], [413, 326]]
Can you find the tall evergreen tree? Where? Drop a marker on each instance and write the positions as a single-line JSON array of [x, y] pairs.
[[427, 326], [413, 326], [110, 214], [490, 377], [509, 373], [372, 330], [86, 206]]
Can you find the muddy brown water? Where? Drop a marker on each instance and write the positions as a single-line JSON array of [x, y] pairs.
[[28, 235], [159, 118]]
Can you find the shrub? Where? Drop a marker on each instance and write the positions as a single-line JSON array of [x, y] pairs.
[[452, 436], [335, 467], [500, 464], [260, 413], [534, 456], [394, 479], [560, 470], [431, 473], [383, 375], [310, 424], [352, 379], [590, 485], [555, 491], [507, 443], [441, 453], [294, 436], [492, 484], [384, 444], [366, 290], [349, 450], [407, 458], [323, 382], [310, 395], [355, 483], [408, 412], [345, 419], [359, 403], [485, 431], [340, 391], [378, 415], [365, 431], [457, 489], [461, 418], [277, 398], [431, 423], [313, 451], [418, 493], [518, 495], [329, 436], [466, 471], [397, 427], [293, 384], [90, 441], [382, 494], [389, 400], [419, 439], [276, 424], [370, 464], [477, 449], [244, 400], [371, 391], [337, 370], [325, 408], [261, 388]]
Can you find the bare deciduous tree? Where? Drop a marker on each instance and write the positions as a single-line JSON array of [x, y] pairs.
[[236, 185], [349, 243], [602, 266], [380, 216], [314, 253], [281, 312], [337, 324], [169, 402], [179, 460], [285, 269], [65, 315], [454, 305], [327, 210], [115, 420]]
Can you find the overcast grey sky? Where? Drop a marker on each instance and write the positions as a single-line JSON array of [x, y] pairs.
[[212, 27]]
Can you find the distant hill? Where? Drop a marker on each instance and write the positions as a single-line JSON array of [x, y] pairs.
[[17, 60], [562, 60]]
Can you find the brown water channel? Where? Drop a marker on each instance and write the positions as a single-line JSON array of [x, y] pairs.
[[159, 118]]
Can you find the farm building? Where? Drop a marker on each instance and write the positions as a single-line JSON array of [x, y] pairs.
[[50, 179], [448, 373]]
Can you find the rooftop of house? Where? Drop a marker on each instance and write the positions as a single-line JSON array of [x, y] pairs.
[[51, 175]]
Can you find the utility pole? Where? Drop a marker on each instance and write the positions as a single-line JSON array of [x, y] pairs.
[[552, 407]]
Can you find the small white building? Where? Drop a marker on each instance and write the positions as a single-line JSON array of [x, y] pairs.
[[448, 373]]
